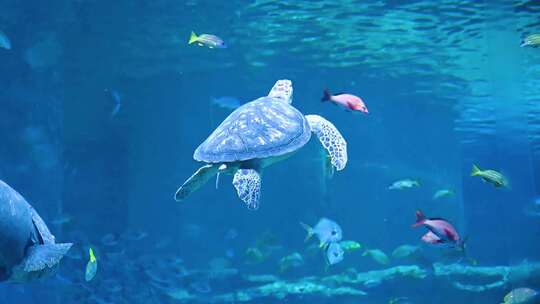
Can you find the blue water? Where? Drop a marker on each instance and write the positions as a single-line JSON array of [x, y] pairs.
[[446, 84]]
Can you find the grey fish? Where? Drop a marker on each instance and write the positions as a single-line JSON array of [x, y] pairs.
[[27, 248]]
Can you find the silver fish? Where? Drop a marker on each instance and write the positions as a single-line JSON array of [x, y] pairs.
[[334, 254], [326, 230]]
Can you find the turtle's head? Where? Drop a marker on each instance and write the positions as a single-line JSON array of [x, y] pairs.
[[282, 90]]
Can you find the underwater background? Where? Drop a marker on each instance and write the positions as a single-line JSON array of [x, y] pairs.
[[102, 104]]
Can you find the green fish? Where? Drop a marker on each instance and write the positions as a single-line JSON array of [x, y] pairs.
[[208, 40], [378, 256], [532, 40], [349, 246], [255, 256], [443, 193], [404, 184], [521, 296], [292, 260], [491, 176], [91, 266], [405, 251]]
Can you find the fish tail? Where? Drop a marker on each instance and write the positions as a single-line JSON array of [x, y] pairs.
[[420, 218], [475, 170], [91, 254], [326, 95], [193, 38], [309, 231]]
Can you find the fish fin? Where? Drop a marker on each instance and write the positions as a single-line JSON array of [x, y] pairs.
[[420, 218], [217, 180], [309, 231], [475, 170], [193, 38], [365, 253], [91, 254], [200, 44], [40, 257], [326, 95]]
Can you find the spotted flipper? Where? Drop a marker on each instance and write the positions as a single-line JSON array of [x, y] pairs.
[[331, 139], [41, 257], [192, 184], [248, 186], [282, 89]]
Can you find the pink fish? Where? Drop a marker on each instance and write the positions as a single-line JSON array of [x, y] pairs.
[[348, 101], [440, 231]]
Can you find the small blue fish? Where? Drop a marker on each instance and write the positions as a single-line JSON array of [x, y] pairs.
[[231, 234], [115, 97], [371, 283], [326, 230], [334, 254], [226, 102], [109, 240], [201, 287], [4, 41]]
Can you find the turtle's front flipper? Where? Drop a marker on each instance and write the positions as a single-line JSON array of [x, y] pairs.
[[283, 90], [248, 186], [331, 139], [199, 178]]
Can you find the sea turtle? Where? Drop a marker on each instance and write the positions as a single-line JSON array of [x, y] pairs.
[[256, 135], [27, 248]]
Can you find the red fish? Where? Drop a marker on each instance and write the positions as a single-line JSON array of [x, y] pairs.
[[348, 101], [440, 231]]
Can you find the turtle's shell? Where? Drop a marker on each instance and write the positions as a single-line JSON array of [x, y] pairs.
[[262, 128]]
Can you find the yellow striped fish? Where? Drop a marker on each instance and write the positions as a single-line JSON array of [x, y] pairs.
[[491, 176], [532, 40]]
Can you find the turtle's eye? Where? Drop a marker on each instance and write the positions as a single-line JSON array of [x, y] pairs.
[[334, 232]]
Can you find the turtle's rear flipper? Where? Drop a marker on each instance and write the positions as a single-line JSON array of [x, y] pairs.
[[248, 186], [199, 178], [331, 139], [41, 257]]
